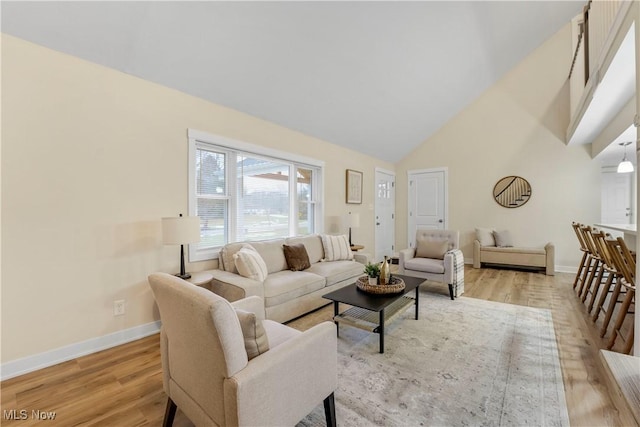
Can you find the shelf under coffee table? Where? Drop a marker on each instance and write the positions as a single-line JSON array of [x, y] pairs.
[[371, 311]]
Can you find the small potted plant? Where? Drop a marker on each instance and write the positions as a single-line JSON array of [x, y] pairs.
[[373, 271]]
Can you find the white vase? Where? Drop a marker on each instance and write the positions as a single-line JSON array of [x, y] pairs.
[[373, 281]]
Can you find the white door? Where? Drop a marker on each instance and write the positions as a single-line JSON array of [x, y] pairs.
[[616, 198], [427, 201], [385, 214]]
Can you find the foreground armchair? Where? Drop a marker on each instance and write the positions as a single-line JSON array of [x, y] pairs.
[[225, 365], [437, 257]]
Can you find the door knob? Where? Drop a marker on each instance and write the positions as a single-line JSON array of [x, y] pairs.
[[377, 223], [440, 220]]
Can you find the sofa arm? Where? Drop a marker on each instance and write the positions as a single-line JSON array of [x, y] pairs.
[[252, 304], [550, 262], [476, 254], [233, 286], [288, 379], [448, 269], [403, 256]]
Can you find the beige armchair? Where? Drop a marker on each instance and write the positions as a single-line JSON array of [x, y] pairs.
[[436, 256], [206, 367]]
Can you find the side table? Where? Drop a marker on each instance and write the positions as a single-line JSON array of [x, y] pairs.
[[202, 279]]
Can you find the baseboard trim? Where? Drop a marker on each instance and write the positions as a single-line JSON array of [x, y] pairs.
[[566, 269], [28, 364]]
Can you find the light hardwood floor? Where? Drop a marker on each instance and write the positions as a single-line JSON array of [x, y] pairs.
[[123, 386]]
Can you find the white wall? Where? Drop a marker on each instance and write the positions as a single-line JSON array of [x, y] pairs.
[[516, 127], [91, 160]]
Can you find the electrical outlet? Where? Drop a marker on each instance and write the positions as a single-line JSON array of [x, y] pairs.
[[118, 307]]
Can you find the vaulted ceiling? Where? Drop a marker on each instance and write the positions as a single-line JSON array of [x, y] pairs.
[[378, 77]]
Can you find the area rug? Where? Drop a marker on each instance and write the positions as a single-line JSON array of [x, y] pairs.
[[466, 362]]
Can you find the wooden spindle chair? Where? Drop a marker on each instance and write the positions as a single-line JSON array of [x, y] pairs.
[[595, 265], [607, 271], [626, 263], [612, 287], [585, 262]]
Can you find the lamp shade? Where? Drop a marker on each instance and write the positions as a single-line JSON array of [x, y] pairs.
[[354, 220], [625, 166], [180, 230]]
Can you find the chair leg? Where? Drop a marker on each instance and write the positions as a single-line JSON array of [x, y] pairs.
[[592, 264], [330, 410], [451, 290], [624, 310], [612, 305], [603, 296], [580, 269], [169, 413], [595, 276], [596, 288]]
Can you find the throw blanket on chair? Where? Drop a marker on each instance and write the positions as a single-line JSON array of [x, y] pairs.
[[458, 272]]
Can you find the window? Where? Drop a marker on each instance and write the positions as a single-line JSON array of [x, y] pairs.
[[243, 192]]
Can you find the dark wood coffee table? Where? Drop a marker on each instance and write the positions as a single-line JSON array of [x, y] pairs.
[[371, 311]]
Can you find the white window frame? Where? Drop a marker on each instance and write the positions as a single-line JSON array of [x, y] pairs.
[[199, 139]]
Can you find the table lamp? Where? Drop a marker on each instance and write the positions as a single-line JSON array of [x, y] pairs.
[[180, 231]]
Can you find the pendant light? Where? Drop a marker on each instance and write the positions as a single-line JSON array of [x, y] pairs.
[[625, 165]]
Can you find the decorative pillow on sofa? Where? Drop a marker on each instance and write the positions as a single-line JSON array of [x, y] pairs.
[[485, 236], [336, 248], [250, 264], [296, 256], [503, 239], [431, 248], [255, 337]]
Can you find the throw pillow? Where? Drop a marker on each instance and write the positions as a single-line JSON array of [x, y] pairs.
[[250, 264], [485, 236], [336, 248], [431, 248], [503, 239], [296, 256], [255, 337]]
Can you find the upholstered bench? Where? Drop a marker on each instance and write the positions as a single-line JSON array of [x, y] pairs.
[[485, 251]]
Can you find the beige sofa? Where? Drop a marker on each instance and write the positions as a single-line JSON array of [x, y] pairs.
[[515, 256], [286, 294]]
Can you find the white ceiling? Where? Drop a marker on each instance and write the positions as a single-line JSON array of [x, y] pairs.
[[378, 77]]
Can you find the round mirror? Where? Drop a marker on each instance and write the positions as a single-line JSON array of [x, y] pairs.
[[512, 191]]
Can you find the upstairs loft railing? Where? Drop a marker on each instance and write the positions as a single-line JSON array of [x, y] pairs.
[[592, 35]]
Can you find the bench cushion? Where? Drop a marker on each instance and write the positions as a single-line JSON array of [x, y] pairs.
[[533, 257]]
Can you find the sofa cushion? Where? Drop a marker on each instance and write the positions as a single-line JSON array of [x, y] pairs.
[[313, 245], [336, 248], [250, 264], [503, 239], [226, 261], [296, 256], [431, 248], [428, 265], [286, 285], [485, 236], [255, 336], [270, 251], [337, 271]]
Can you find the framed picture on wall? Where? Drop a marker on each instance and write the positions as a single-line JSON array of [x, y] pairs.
[[354, 186]]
